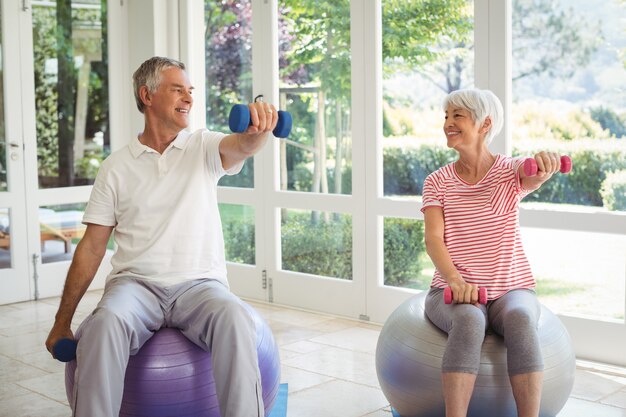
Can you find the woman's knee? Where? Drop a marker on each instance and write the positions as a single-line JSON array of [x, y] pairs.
[[469, 316], [520, 318]]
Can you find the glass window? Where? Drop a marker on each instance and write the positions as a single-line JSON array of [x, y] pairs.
[[61, 229], [238, 226], [315, 77], [427, 53], [569, 96], [228, 55], [407, 264], [583, 277], [318, 243], [71, 90], [5, 238]]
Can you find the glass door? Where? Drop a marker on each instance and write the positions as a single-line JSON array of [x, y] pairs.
[[54, 135], [70, 71], [290, 221], [15, 282]]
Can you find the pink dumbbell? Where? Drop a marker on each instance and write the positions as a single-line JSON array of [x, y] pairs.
[[530, 166], [447, 295]]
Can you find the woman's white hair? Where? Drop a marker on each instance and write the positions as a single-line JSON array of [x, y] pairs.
[[481, 104]]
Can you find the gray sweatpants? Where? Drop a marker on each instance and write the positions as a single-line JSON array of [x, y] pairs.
[[130, 311], [514, 316]]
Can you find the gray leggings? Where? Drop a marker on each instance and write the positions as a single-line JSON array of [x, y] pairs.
[[514, 316]]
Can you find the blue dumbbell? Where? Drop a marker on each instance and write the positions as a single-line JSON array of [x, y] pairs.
[[65, 349], [239, 120]]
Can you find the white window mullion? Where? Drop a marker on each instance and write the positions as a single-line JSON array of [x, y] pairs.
[[492, 42], [266, 162]]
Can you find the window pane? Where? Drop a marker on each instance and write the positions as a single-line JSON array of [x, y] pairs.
[[228, 61], [584, 276], [61, 229], [569, 95], [428, 52], [71, 90], [407, 264], [5, 238], [318, 243], [315, 76], [238, 225]]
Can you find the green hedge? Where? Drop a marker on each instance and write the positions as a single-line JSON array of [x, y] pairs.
[[403, 245], [325, 247], [405, 170], [614, 190], [318, 247], [239, 241]]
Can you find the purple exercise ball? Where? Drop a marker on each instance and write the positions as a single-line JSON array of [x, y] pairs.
[[172, 376]]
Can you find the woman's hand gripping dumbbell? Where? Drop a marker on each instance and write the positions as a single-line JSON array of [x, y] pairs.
[[448, 296], [531, 168], [239, 120]]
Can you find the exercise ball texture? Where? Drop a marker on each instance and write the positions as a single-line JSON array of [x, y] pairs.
[[409, 357], [171, 376]]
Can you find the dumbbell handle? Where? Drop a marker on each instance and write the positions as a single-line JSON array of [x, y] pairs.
[[530, 166], [239, 120], [482, 295], [64, 349]]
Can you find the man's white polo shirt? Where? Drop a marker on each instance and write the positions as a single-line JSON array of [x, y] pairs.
[[164, 209]]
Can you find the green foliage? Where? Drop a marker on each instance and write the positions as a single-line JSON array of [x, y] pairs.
[[405, 169], [88, 166], [239, 241], [318, 247], [320, 34], [613, 190], [412, 29], [55, 91], [44, 44], [609, 120], [551, 39], [324, 247], [543, 121], [403, 245], [583, 184], [245, 178]]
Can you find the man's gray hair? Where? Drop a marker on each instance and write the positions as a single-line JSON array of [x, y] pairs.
[[149, 74], [481, 104]]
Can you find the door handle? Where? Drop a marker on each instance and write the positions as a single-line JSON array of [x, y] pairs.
[[25, 5], [14, 154]]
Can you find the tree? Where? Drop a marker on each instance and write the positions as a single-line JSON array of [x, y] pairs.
[[228, 57], [548, 39], [315, 49]]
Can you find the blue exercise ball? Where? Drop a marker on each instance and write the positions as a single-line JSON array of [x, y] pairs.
[[409, 356], [171, 376]]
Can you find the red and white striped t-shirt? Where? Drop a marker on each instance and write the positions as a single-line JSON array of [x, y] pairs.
[[481, 229]]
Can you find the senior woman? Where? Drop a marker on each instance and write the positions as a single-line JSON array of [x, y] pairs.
[[472, 233]]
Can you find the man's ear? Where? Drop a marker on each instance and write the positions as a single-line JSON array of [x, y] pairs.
[[486, 125], [145, 96]]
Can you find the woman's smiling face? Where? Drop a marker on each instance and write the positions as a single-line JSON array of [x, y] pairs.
[[460, 127]]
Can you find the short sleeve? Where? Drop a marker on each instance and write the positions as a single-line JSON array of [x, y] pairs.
[[431, 194], [213, 158], [101, 206]]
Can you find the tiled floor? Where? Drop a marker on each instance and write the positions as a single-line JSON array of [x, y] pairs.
[[327, 361]]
